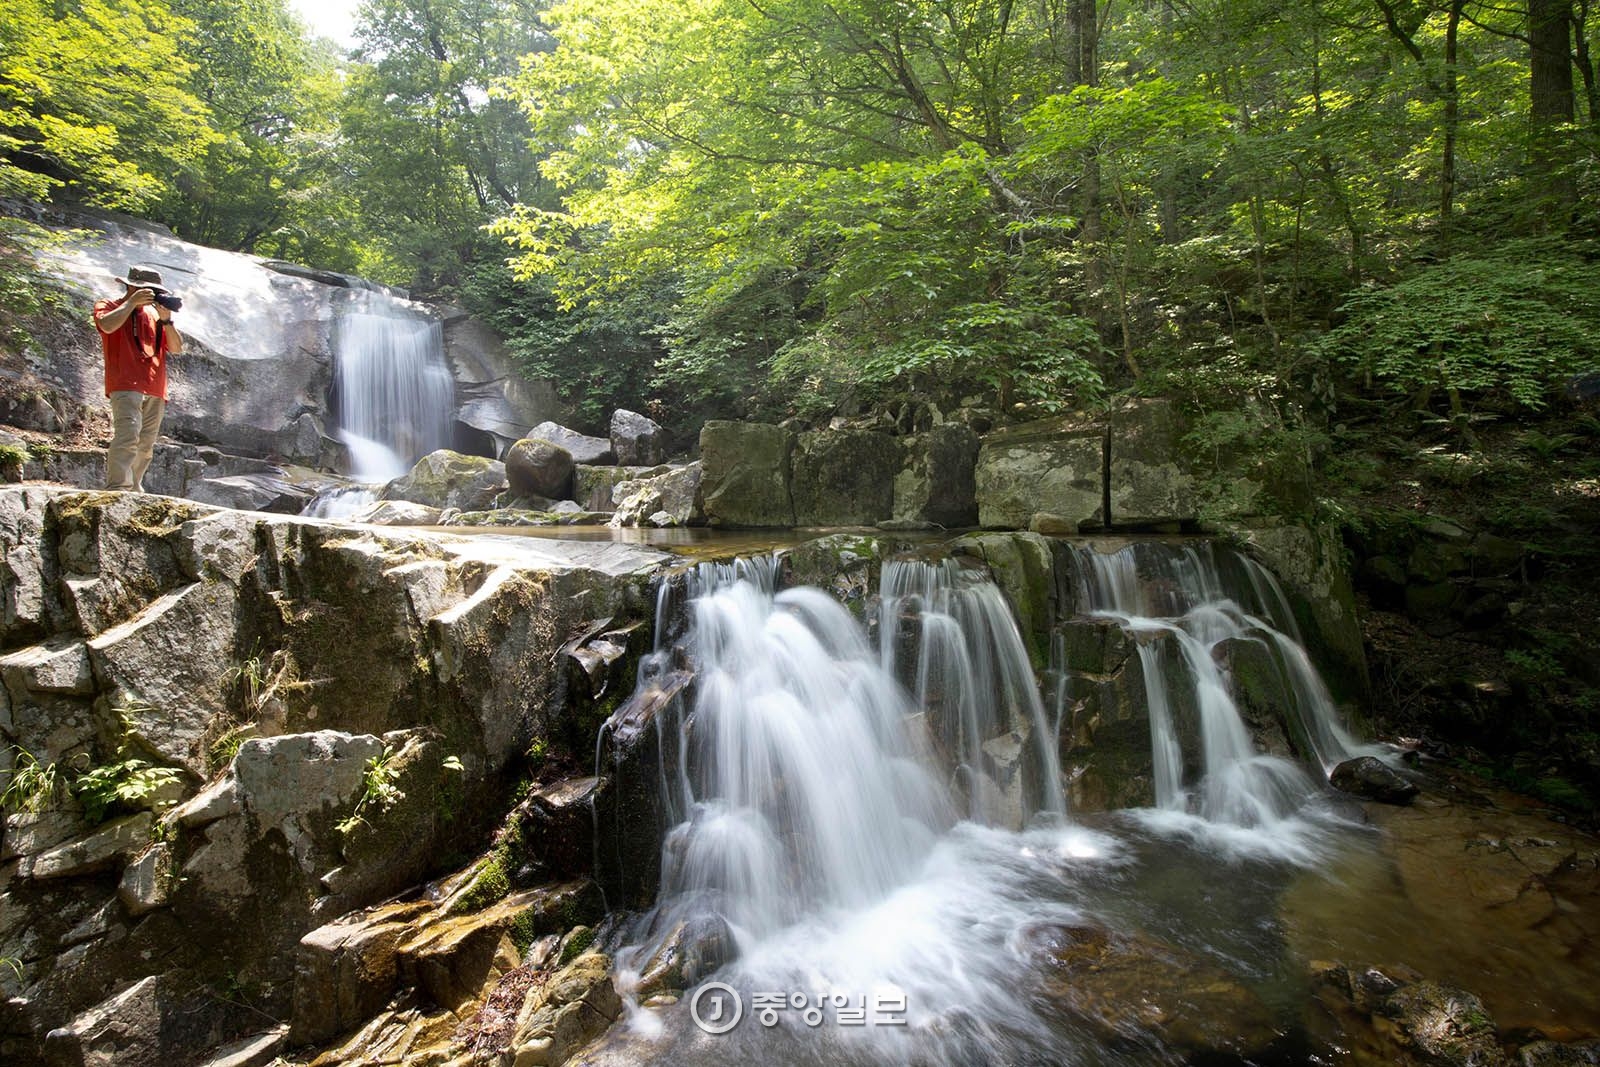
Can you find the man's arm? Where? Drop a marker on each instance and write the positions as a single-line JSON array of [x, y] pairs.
[[113, 319], [174, 338]]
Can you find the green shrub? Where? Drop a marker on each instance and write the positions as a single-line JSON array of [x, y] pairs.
[[1511, 322]]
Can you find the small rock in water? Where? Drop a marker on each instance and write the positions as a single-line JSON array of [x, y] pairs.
[[1555, 1054], [1448, 1025], [691, 951], [1371, 778]]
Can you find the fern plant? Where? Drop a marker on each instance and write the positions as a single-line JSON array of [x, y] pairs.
[[129, 784]]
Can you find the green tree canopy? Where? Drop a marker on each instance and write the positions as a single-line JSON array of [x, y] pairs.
[[96, 99]]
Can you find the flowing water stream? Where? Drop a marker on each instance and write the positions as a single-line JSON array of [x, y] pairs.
[[394, 399], [872, 816]]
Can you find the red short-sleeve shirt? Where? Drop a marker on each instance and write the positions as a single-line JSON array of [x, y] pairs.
[[136, 354]]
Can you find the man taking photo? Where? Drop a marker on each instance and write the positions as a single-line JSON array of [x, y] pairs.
[[137, 335]]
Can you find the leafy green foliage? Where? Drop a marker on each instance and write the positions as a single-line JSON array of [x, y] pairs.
[[94, 98], [118, 786], [267, 91], [1511, 322], [378, 790], [100, 790]]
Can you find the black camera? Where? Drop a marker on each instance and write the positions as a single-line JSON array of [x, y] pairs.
[[169, 301]]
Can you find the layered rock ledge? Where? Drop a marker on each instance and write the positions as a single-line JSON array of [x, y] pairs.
[[291, 720]]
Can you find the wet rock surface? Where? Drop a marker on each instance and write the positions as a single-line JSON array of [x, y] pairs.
[[1412, 1020], [1371, 778], [1134, 988]]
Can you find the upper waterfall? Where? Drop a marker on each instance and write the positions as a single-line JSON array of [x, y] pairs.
[[395, 394]]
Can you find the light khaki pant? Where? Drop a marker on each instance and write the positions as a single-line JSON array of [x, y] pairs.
[[135, 425]]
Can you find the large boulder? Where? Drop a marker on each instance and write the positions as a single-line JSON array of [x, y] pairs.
[[668, 499], [747, 474], [936, 485], [446, 479], [636, 440], [27, 577], [1053, 467], [582, 448], [844, 478], [345, 972], [1150, 480], [540, 468], [595, 488]]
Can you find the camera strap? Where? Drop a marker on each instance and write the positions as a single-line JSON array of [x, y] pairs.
[[138, 344]]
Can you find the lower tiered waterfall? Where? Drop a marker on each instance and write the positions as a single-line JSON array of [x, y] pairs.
[[870, 842], [1207, 600]]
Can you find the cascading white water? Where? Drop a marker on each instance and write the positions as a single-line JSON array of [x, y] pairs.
[[839, 807], [806, 784], [818, 794], [1203, 596], [973, 681], [395, 392]]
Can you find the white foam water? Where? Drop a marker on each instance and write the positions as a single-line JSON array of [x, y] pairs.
[[1202, 596], [886, 870], [395, 393], [343, 502]]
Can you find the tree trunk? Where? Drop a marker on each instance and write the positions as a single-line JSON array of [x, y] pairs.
[[1452, 121], [1086, 68], [1585, 62], [1550, 92]]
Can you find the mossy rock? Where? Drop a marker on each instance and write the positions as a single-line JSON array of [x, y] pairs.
[[446, 479], [844, 478], [847, 566], [747, 474]]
